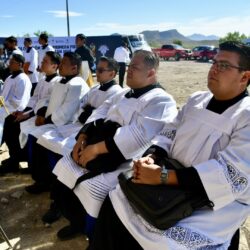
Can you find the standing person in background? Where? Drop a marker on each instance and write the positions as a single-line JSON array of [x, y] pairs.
[[83, 50], [2, 63], [11, 48], [122, 57], [43, 41], [31, 62]]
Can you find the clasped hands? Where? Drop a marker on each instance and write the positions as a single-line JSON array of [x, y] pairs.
[[83, 153], [146, 171]]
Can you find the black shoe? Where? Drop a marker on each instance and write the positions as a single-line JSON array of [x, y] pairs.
[[25, 170], [52, 215], [37, 188], [8, 167], [68, 232]]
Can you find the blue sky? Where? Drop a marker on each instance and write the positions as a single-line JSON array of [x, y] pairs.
[[96, 17]]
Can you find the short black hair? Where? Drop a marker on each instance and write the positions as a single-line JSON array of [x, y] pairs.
[[18, 58], [112, 63], [28, 39], [74, 58], [54, 57], [242, 49], [44, 37], [81, 36], [11, 39]]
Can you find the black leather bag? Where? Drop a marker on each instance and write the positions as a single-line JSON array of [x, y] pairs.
[[161, 205]]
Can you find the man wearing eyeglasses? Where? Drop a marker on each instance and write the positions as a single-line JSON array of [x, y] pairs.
[[210, 138], [119, 130]]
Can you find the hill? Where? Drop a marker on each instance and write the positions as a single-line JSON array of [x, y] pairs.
[[200, 37], [156, 38]]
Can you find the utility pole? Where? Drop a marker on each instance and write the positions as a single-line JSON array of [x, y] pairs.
[[67, 10]]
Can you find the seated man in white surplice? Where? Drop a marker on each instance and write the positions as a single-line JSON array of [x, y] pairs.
[[62, 139], [116, 132], [36, 106], [63, 104], [16, 89]]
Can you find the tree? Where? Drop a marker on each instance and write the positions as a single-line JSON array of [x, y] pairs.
[[176, 41], [233, 36], [37, 33]]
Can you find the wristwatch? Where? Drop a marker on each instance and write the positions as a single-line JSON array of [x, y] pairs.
[[164, 175]]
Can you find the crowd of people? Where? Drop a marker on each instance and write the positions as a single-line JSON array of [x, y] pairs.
[[77, 140]]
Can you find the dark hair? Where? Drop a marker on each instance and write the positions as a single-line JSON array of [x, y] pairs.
[[151, 59], [11, 39], [112, 63], [74, 58], [242, 49], [27, 39], [124, 44], [18, 58], [81, 36], [44, 37], [54, 57]]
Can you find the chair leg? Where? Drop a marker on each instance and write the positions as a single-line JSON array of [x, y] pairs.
[[4, 236]]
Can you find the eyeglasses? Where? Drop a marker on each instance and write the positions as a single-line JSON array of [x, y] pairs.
[[101, 70], [223, 66]]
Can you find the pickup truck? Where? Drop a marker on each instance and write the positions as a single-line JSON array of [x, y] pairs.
[[171, 51]]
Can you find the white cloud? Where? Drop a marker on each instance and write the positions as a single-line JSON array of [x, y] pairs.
[[63, 14], [205, 26], [219, 27], [109, 28], [6, 16]]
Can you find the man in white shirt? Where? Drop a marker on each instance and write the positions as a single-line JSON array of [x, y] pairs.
[[16, 89], [122, 57], [43, 41], [31, 63]]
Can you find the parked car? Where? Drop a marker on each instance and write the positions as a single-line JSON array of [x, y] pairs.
[[197, 50], [171, 51], [208, 54]]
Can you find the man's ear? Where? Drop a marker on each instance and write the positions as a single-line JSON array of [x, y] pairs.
[[246, 76], [151, 72]]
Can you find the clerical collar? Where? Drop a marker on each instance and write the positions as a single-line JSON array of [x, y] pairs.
[[67, 78], [50, 77], [220, 106], [16, 73], [45, 46], [28, 49], [107, 85], [136, 93]]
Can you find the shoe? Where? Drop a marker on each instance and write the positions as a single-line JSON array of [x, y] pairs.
[[25, 171], [8, 167], [52, 215], [37, 188], [68, 232]]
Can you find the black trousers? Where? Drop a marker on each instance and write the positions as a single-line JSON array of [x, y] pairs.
[[110, 233], [11, 131], [69, 205], [38, 162], [122, 71]]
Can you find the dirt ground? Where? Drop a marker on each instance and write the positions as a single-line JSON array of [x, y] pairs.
[[20, 212]]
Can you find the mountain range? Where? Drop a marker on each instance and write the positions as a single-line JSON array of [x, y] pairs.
[[161, 37]]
